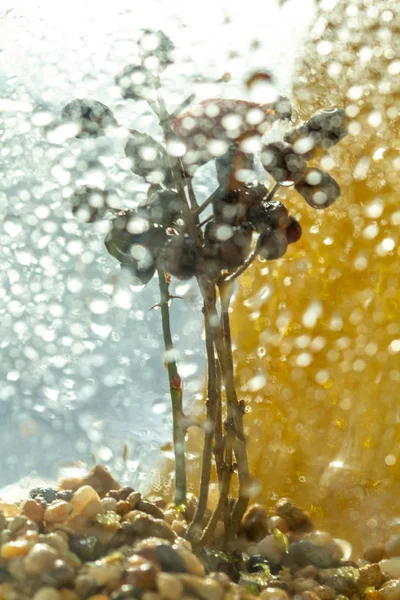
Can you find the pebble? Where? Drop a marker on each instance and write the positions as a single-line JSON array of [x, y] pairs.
[[123, 507], [144, 525], [270, 548], [47, 493], [103, 572], [325, 592], [343, 580], [98, 478], [133, 499], [86, 502], [391, 590], [193, 565], [109, 503], [277, 522], [303, 585], [391, 566], [47, 593], [15, 549], [392, 546], [273, 594], [33, 510], [369, 576], [295, 517], [255, 522], [374, 554], [205, 588], [170, 587], [58, 512], [41, 557], [307, 552], [150, 509], [86, 547]]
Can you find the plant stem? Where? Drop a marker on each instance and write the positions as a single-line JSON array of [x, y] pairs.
[[224, 492], [175, 386], [211, 408], [219, 441], [251, 257], [235, 409]]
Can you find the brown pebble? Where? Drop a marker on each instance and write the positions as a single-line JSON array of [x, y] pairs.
[[325, 592], [33, 510], [150, 509], [255, 522], [47, 593], [295, 517], [192, 563], [179, 527], [141, 576], [58, 512], [392, 546], [41, 557], [273, 593], [121, 493], [158, 501], [144, 525], [369, 576], [101, 480], [308, 572], [202, 587], [133, 499], [280, 523], [169, 586], [374, 595], [374, 554], [67, 594], [123, 507], [308, 595], [391, 590], [300, 585]]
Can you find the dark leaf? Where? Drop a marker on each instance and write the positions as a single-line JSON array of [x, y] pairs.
[[135, 82], [180, 257], [323, 130], [282, 162], [272, 245], [92, 117], [89, 204], [163, 208], [293, 231], [156, 49], [318, 188], [267, 215], [148, 157]]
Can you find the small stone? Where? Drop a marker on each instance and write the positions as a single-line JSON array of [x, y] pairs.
[[369, 576], [222, 578], [391, 590], [307, 595], [41, 557], [86, 502], [374, 595], [391, 566], [325, 592], [179, 527], [192, 564], [104, 572], [122, 493], [273, 593], [374, 554], [255, 522], [123, 507], [204, 588], [142, 576], [306, 552], [308, 572], [126, 592], [47, 593], [277, 522], [343, 580], [86, 547], [392, 546], [303, 585], [98, 478], [15, 549], [295, 517], [18, 524], [144, 525], [169, 586], [3, 521], [57, 540], [150, 509], [33, 510], [58, 512], [109, 504], [85, 586], [47, 493], [66, 594], [133, 499], [271, 549]]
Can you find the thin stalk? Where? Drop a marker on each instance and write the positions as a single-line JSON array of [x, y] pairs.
[[211, 408], [251, 257], [175, 387], [224, 492], [235, 410], [218, 437]]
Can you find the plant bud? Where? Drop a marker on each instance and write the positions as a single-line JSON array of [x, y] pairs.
[[227, 245], [323, 130], [268, 215], [89, 204], [293, 231], [135, 82], [318, 188], [282, 162], [156, 49], [163, 208], [272, 245], [92, 117], [179, 256]]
